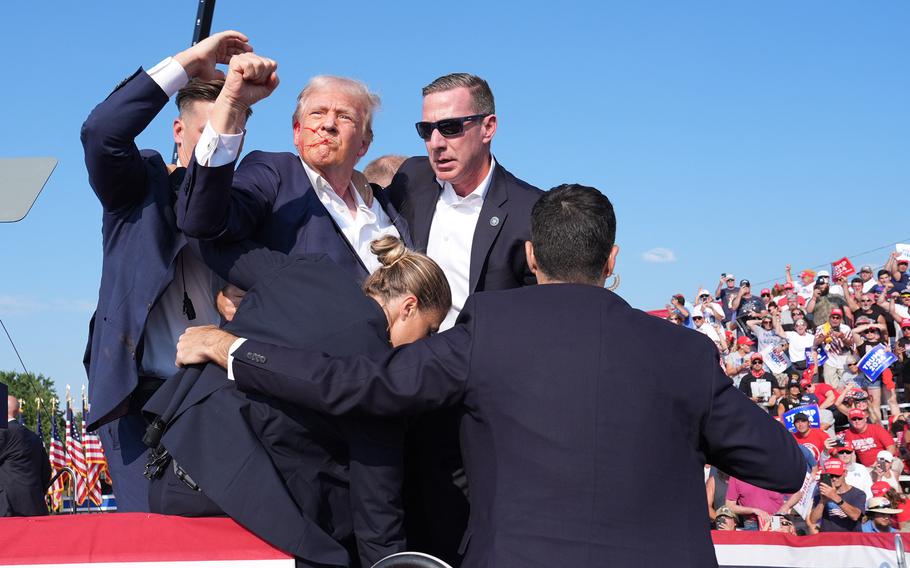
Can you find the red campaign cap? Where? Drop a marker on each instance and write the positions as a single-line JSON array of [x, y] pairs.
[[743, 340], [834, 466], [879, 488], [905, 322], [806, 381], [788, 285], [856, 413], [837, 312], [765, 291], [756, 356]]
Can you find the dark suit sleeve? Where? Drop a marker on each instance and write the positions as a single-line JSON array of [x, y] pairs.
[[219, 203], [115, 168], [428, 374], [742, 440], [242, 264]]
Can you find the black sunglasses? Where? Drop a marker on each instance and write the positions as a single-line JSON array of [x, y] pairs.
[[448, 127]]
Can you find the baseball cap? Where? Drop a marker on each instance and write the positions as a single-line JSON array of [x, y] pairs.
[[879, 488], [861, 320], [745, 282], [805, 381], [856, 413], [726, 512], [905, 292], [788, 285], [866, 268], [800, 417], [885, 455], [881, 505], [822, 274], [808, 398], [730, 277], [807, 272], [905, 322], [756, 357], [743, 340], [837, 312], [903, 261], [765, 291], [858, 394], [834, 466], [794, 383]]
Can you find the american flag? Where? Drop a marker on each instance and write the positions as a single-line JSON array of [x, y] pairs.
[[58, 462], [94, 459], [75, 455]]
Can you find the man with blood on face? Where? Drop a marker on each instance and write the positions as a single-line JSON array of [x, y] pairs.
[[309, 202]]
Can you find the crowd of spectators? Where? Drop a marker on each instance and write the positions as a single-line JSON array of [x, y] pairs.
[[795, 349]]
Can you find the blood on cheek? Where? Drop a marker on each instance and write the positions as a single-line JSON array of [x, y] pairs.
[[322, 139]]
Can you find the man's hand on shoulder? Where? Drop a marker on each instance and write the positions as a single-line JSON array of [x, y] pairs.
[[200, 59], [203, 344]]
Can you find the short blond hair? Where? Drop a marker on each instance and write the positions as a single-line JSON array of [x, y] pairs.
[[368, 101]]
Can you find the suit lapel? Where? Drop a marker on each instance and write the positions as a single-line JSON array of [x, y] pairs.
[[315, 202], [424, 207], [492, 217], [397, 218]]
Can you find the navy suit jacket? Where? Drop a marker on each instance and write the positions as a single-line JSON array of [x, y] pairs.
[[300, 480], [497, 252], [581, 414], [25, 472], [139, 236], [269, 199]]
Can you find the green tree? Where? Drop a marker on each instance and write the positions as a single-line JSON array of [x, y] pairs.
[[27, 387]]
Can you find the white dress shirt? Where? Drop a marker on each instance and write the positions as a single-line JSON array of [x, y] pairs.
[[166, 320], [451, 237]]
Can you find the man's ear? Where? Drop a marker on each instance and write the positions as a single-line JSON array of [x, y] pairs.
[[611, 262], [178, 131], [531, 259]]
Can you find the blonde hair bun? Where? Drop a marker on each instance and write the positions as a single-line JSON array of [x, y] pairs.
[[388, 250]]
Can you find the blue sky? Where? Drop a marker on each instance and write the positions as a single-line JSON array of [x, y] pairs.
[[735, 136]]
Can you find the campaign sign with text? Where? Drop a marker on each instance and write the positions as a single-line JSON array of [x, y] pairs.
[[821, 353], [776, 361], [875, 361], [810, 410], [842, 268]]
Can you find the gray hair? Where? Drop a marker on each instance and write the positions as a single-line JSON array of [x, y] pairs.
[[367, 101], [481, 95]]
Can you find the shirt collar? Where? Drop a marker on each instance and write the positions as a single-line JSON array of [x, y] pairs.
[[324, 188], [480, 192]]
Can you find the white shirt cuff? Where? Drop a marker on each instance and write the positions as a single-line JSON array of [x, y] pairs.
[[214, 150], [234, 347], [170, 76]]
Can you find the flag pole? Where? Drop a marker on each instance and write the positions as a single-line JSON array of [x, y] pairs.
[[201, 30]]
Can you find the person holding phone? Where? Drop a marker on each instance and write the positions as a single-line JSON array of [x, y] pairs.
[[836, 505]]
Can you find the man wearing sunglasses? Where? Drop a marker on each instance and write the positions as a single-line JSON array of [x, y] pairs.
[[867, 439], [837, 506], [464, 208], [472, 217]]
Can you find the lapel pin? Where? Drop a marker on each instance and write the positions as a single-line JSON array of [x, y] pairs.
[[494, 221]]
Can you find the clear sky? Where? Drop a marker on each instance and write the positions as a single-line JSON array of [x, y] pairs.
[[730, 136]]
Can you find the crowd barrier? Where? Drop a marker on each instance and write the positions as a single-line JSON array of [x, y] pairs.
[[140, 540], [133, 540], [743, 549]]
